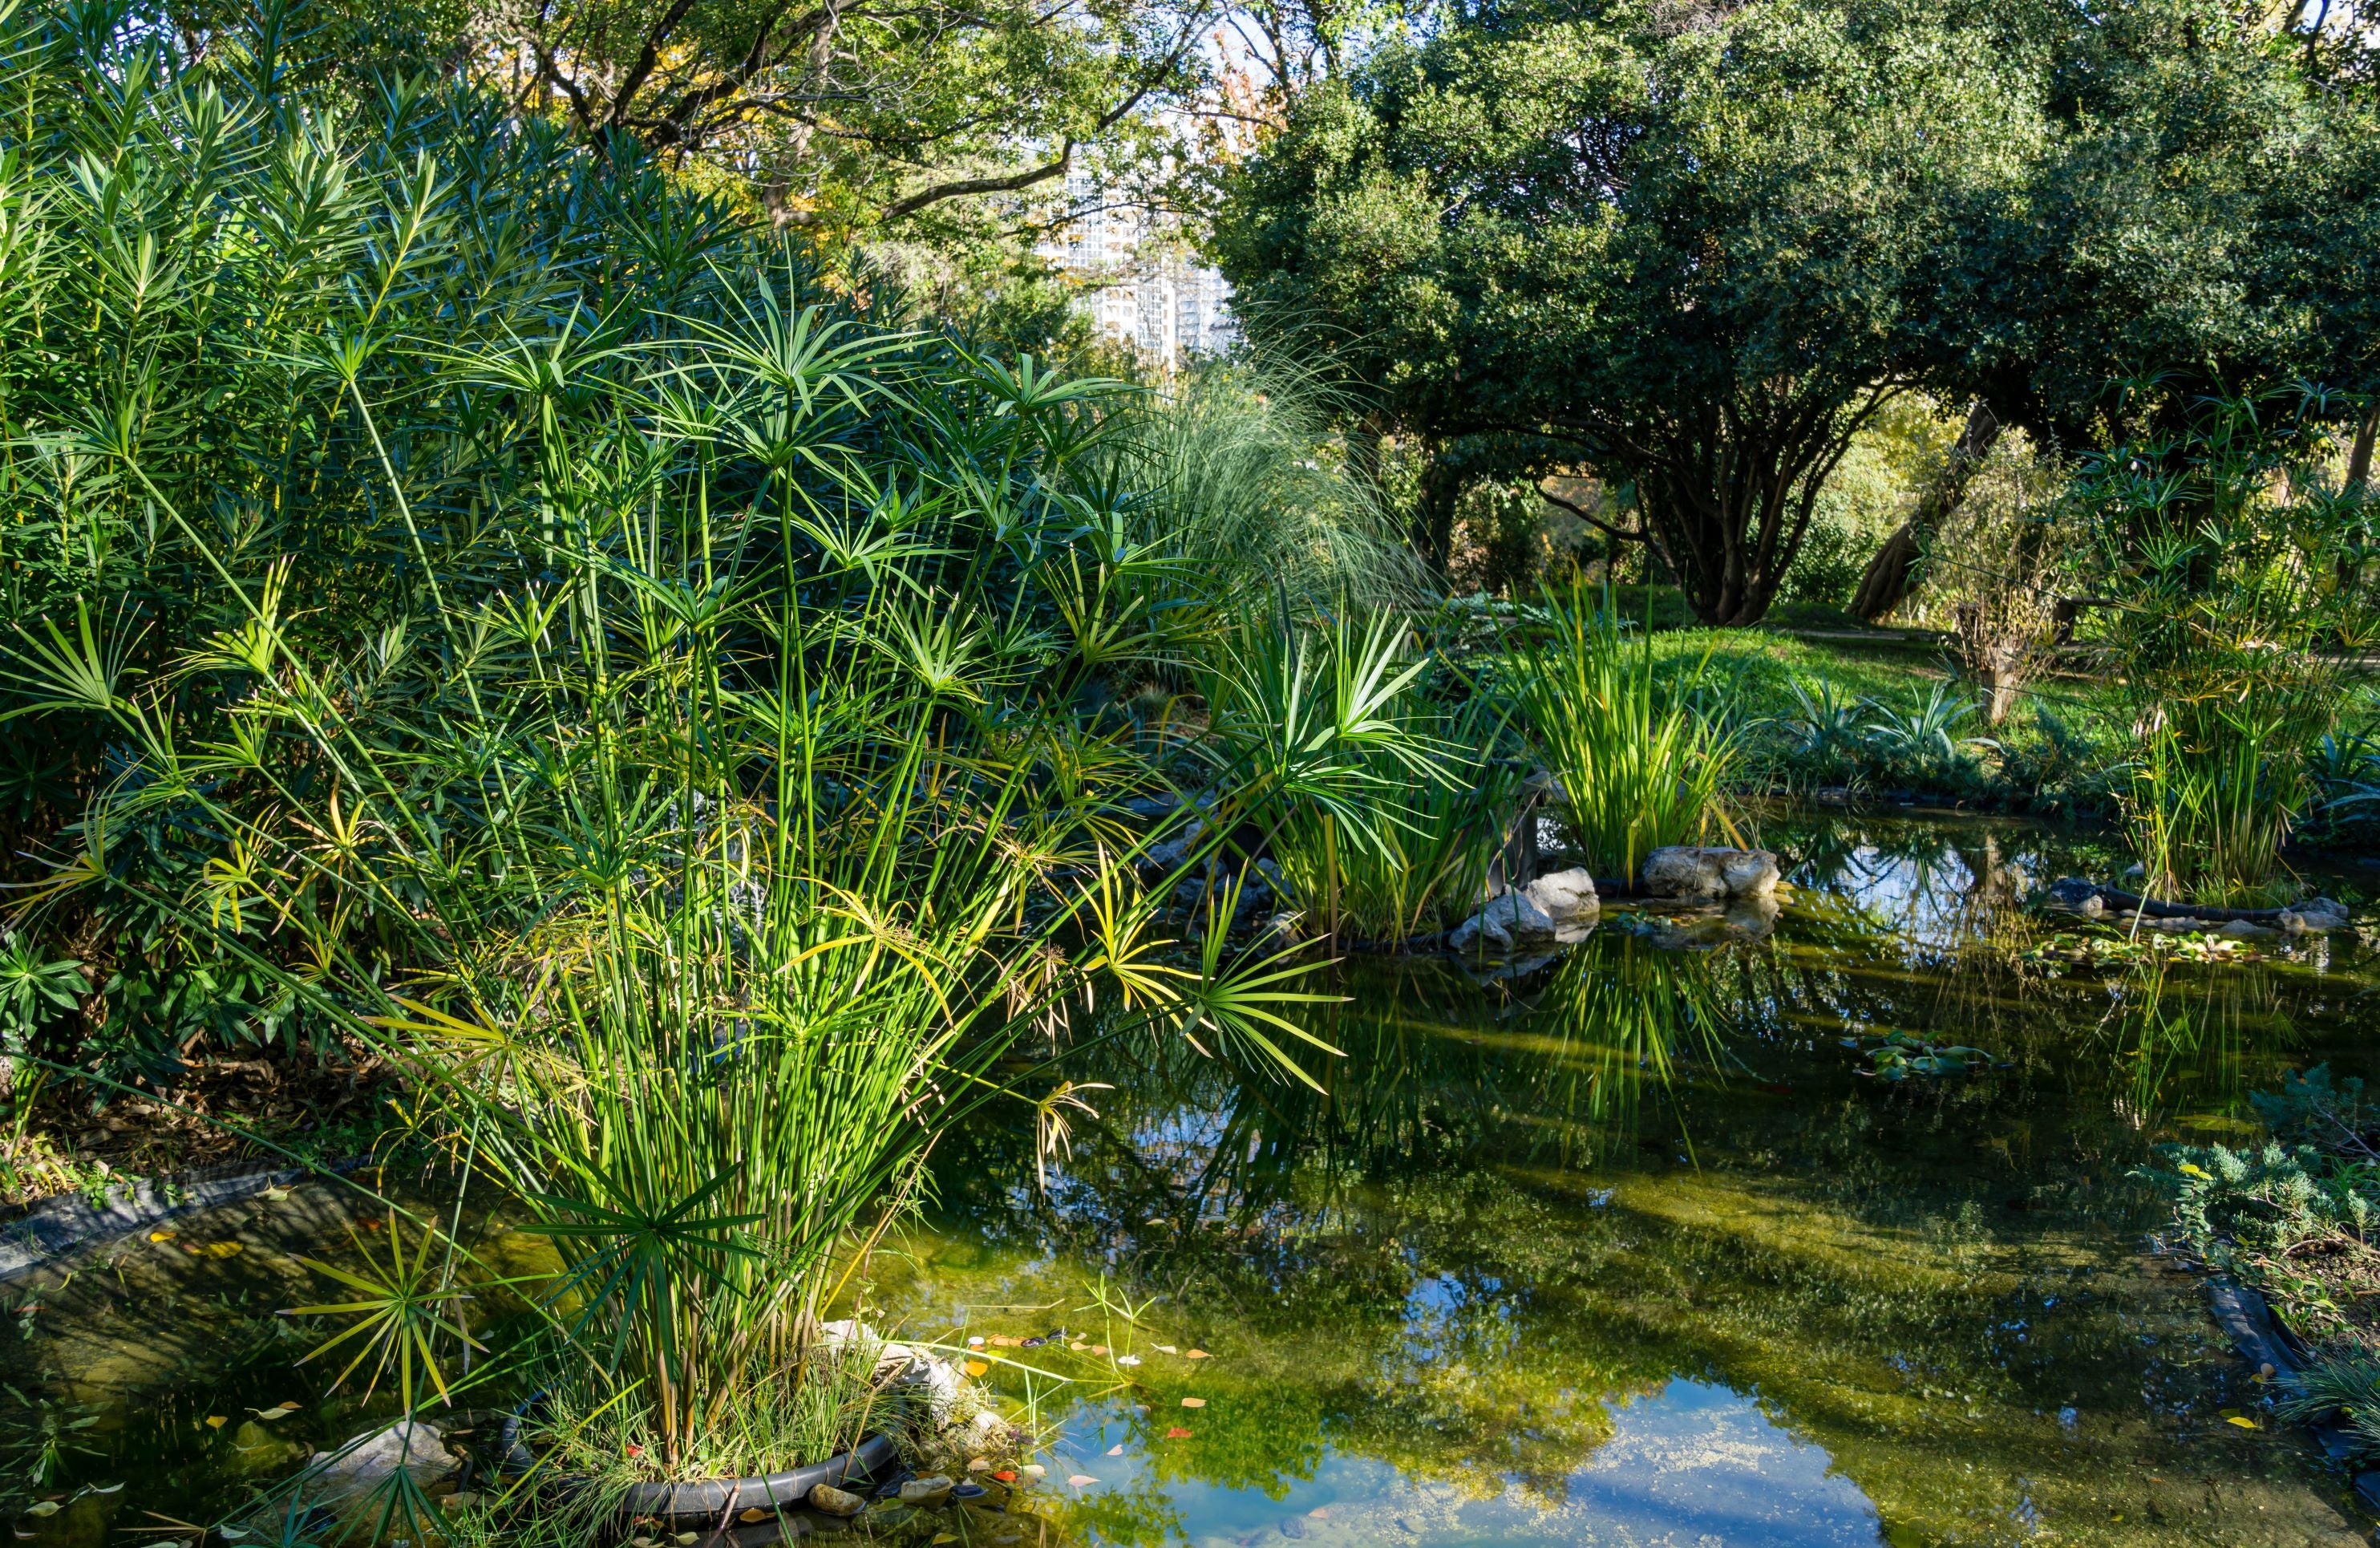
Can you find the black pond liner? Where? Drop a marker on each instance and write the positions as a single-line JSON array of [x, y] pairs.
[[2244, 1318], [716, 1502]]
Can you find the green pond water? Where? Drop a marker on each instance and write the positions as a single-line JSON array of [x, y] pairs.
[[1622, 1247]]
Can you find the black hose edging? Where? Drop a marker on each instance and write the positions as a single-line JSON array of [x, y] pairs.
[[708, 1502], [2247, 1320]]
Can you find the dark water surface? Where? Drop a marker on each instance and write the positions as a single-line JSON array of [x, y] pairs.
[[1618, 1249]]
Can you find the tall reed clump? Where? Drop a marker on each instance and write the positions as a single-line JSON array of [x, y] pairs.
[[1248, 485], [596, 672], [1640, 765], [2222, 540]]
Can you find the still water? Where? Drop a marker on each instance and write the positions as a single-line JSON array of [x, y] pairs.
[[1623, 1247]]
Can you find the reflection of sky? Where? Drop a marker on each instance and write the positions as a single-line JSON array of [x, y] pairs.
[[1693, 1466]]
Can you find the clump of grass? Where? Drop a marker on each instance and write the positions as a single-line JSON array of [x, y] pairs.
[[1639, 766]]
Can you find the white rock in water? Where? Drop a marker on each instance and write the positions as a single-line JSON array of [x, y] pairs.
[[1567, 898], [927, 1493], [1701, 874], [1509, 920], [368, 1461], [836, 1502]]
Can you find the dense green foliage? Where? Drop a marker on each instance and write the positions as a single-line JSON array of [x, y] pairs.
[[1697, 255]]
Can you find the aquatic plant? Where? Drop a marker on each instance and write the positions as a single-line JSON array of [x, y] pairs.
[[2223, 546], [657, 741], [1638, 767]]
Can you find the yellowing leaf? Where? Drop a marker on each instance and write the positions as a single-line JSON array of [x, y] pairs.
[[752, 1516], [2243, 1423], [217, 1250], [1194, 1402], [941, 1538], [977, 1368], [216, 1422], [46, 1507], [163, 1235], [1197, 1354]]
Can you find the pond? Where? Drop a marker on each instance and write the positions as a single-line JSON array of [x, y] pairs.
[[1629, 1247]]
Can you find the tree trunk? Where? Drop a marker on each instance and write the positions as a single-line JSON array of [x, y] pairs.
[[1885, 585], [1433, 520]]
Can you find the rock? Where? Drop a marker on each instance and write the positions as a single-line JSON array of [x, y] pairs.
[[836, 1502], [1512, 920], [368, 1461], [255, 1449], [1567, 898], [2246, 929], [927, 1493], [2093, 906], [2314, 917], [1698, 874], [2074, 892], [1170, 854]]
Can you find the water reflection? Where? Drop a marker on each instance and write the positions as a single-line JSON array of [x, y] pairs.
[[1535, 1221], [1625, 1248]]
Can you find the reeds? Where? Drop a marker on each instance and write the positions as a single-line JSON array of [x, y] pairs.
[[1639, 766], [582, 663]]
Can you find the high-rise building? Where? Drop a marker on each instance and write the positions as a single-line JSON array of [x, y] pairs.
[[1140, 287]]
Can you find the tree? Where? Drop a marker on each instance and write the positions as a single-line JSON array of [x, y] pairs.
[[1695, 249], [2203, 219]]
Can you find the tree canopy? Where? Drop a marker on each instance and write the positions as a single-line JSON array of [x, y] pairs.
[[1696, 247]]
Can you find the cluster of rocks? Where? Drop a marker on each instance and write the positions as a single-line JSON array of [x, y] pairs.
[[1560, 907], [1565, 906]]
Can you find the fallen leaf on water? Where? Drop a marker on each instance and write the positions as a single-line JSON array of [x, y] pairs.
[[1082, 1480], [104, 1489], [687, 1539], [1115, 1451], [1127, 1359], [2243, 1423], [977, 1368], [1319, 1513], [1002, 1341], [218, 1249], [275, 1195], [1167, 1350], [1196, 1354], [640, 1542], [1006, 1475], [163, 1235], [1078, 1347], [282, 1411], [1194, 1402], [978, 1464], [754, 1514], [216, 1422], [1099, 1348], [1177, 1433], [946, 1537], [47, 1507]]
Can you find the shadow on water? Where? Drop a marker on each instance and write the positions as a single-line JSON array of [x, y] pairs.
[[1632, 1248]]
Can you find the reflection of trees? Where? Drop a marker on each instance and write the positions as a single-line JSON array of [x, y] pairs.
[[1476, 1239]]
